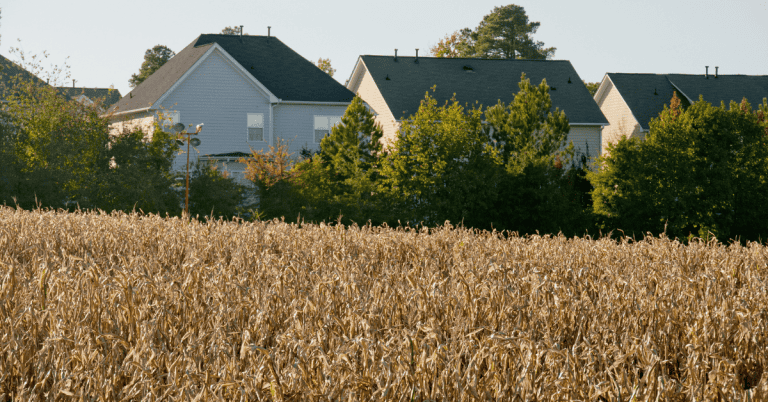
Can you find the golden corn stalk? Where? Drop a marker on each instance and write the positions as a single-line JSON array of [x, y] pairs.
[[109, 307]]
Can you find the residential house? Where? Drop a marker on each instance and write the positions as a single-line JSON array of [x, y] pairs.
[[630, 101], [87, 96], [249, 91], [394, 86]]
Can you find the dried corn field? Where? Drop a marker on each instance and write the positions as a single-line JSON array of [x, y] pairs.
[[129, 307]]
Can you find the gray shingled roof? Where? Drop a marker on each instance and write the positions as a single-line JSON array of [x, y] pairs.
[[638, 90], [279, 68], [107, 95], [8, 70], [487, 82], [286, 74]]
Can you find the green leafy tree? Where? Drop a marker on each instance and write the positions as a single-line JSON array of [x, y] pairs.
[[276, 180], [442, 166], [325, 65], [342, 179], [505, 33], [537, 191], [139, 176], [457, 44], [592, 87], [153, 59], [214, 193], [235, 30], [700, 171]]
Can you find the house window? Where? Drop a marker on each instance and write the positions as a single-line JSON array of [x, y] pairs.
[[255, 127], [323, 125], [169, 119]]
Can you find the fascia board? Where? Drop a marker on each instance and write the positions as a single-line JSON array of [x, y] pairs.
[[601, 89], [144, 109], [589, 124], [354, 78], [233, 63]]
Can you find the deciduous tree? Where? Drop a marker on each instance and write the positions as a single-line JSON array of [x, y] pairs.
[[700, 171], [325, 65]]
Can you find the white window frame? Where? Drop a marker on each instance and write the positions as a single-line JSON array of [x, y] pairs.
[[326, 125], [254, 120]]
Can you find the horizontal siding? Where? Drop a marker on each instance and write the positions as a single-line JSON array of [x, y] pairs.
[[621, 121], [369, 92], [586, 140], [296, 123], [219, 96]]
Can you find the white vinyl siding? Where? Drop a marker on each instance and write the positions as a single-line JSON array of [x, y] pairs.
[[255, 127], [323, 125]]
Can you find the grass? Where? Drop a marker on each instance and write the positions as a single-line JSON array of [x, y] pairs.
[[130, 307]]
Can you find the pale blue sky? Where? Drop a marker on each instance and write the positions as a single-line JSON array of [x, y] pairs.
[[106, 40]]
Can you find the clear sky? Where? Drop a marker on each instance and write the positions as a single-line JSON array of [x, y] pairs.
[[105, 40]]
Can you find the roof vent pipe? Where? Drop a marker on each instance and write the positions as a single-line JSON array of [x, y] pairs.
[[716, 67], [417, 56], [241, 30], [269, 31], [73, 83], [395, 54], [706, 74]]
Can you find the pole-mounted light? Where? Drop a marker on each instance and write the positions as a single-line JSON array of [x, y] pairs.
[[179, 127]]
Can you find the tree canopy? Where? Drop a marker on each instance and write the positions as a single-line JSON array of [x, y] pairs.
[[236, 30], [701, 171], [505, 33], [153, 59], [325, 65]]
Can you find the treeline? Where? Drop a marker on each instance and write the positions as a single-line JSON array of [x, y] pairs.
[[59, 153], [701, 171]]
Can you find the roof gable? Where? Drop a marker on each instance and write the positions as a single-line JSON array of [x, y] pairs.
[[284, 72], [8, 70], [404, 82]]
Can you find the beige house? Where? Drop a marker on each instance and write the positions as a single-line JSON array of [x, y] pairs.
[[394, 86], [630, 101]]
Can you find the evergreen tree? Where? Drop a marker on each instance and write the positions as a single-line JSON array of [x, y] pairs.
[[153, 59]]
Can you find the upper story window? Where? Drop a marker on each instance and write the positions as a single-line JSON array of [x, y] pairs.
[[255, 127], [323, 125]]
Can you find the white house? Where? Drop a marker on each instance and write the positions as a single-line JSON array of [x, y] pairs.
[[394, 86], [247, 90]]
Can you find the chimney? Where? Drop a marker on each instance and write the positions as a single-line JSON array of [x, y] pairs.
[[269, 31], [716, 67], [241, 30], [706, 74], [395, 54], [417, 56]]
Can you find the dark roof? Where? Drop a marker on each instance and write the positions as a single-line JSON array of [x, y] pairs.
[[108, 95], [286, 74], [403, 83], [8, 70], [279, 68], [646, 94]]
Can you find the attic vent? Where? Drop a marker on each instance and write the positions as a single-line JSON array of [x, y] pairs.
[[469, 69], [553, 88], [569, 80], [654, 91], [387, 78]]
